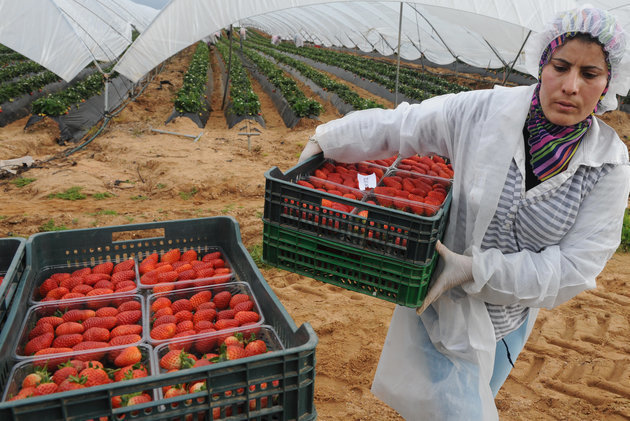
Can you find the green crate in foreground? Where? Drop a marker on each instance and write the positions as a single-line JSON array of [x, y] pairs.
[[390, 279]]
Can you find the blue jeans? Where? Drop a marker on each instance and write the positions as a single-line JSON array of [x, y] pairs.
[[502, 367]]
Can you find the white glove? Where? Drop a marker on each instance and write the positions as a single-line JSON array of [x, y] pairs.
[[457, 271], [311, 148]]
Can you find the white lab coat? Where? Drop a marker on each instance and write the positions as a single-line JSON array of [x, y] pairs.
[[481, 132]]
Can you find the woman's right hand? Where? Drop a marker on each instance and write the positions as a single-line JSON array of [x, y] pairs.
[[311, 148]]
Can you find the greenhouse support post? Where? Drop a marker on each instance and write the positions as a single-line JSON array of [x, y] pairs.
[[227, 79], [398, 53]]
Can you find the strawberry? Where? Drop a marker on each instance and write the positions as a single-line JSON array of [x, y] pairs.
[[77, 315], [255, 347], [52, 320], [188, 255], [203, 324], [234, 352], [244, 306], [211, 256], [72, 295], [165, 319], [125, 286], [45, 388], [247, 317], [81, 272], [170, 276], [199, 298], [130, 305], [81, 289], [72, 383], [128, 317], [39, 342], [133, 371], [205, 314], [105, 322], [47, 286], [171, 256], [89, 345], [39, 329], [128, 264], [164, 331], [222, 299], [57, 293], [67, 341], [105, 268], [60, 276], [94, 278], [226, 324], [180, 316], [35, 378], [181, 304], [99, 291], [238, 298], [160, 303], [164, 287], [68, 328], [125, 339], [136, 399], [25, 392], [94, 376], [126, 330], [166, 311], [226, 314], [129, 356], [71, 282], [98, 334], [123, 275], [104, 284], [64, 371], [177, 359], [187, 275], [209, 305], [106, 312]]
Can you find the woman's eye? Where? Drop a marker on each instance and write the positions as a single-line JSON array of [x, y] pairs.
[[590, 75], [560, 69]]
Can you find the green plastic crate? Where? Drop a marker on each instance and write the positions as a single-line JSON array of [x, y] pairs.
[[12, 266], [293, 368], [390, 279], [385, 231]]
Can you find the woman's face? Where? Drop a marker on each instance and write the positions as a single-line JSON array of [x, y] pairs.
[[572, 82]]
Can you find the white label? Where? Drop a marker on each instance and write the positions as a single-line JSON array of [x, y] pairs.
[[366, 181]]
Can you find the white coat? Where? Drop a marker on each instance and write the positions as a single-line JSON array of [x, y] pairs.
[[481, 132]]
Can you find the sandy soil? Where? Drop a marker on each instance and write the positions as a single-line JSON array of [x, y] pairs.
[[574, 367]]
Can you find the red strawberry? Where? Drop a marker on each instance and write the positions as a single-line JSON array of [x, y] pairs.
[[166, 311], [177, 359], [130, 305], [52, 320], [188, 255], [104, 284], [39, 329], [47, 286], [72, 383], [160, 303], [67, 341], [99, 291], [125, 339], [124, 286], [167, 277], [205, 314], [77, 315], [128, 317], [70, 283], [234, 352], [206, 343], [136, 399], [68, 328], [94, 278], [247, 317], [171, 256], [89, 345], [128, 264], [204, 306], [123, 275], [39, 342], [244, 306], [123, 330], [211, 256], [59, 276], [129, 356], [72, 295], [203, 324], [57, 293], [222, 299], [98, 334], [81, 272], [105, 268], [106, 312], [238, 298], [181, 304], [64, 371], [183, 315], [236, 339], [94, 376], [164, 331], [187, 275], [165, 319], [199, 298], [226, 314], [106, 322], [184, 326], [81, 289], [35, 378], [255, 347], [226, 324], [133, 371], [45, 389], [164, 287]]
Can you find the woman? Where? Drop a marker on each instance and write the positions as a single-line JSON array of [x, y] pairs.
[[539, 193]]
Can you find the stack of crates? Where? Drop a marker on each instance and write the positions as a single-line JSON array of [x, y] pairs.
[[275, 385], [380, 251], [12, 266]]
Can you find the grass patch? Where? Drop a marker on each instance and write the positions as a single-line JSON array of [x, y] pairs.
[[3, 217], [188, 195], [259, 214], [256, 251], [228, 208], [139, 197], [22, 181], [104, 212], [73, 193], [160, 186], [50, 226], [625, 233], [102, 196]]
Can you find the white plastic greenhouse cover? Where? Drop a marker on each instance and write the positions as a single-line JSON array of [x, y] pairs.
[[483, 33], [66, 35]]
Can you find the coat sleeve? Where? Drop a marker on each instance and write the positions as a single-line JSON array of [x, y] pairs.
[[558, 273], [377, 133]]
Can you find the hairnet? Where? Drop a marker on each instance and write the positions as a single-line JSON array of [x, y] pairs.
[[603, 26]]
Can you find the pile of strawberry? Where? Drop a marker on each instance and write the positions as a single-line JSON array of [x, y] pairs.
[[102, 279], [86, 325], [174, 270], [410, 192], [434, 166], [199, 311], [217, 349], [75, 373]]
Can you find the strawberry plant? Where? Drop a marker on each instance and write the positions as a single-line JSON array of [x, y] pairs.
[[245, 102], [625, 232], [190, 98]]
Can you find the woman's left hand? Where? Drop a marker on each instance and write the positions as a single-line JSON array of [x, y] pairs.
[[457, 271]]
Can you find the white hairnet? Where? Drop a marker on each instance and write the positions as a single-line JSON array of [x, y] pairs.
[[603, 26]]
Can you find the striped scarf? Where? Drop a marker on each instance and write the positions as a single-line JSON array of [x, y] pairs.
[[553, 146]]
